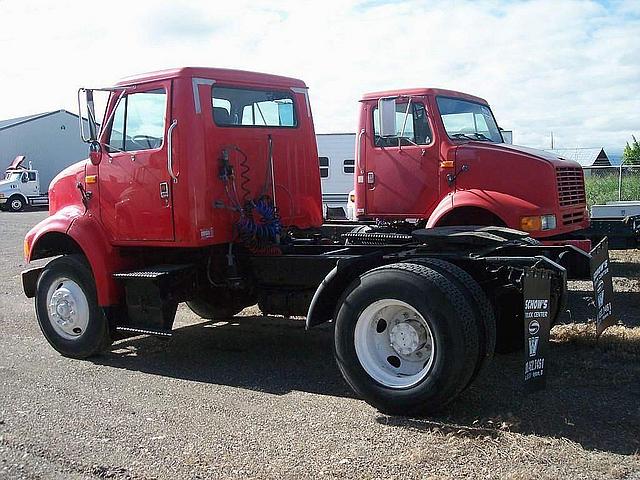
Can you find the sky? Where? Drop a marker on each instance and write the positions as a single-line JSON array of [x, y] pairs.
[[562, 66]]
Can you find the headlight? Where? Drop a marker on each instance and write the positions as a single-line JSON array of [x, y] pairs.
[[1, 195], [548, 222], [537, 223]]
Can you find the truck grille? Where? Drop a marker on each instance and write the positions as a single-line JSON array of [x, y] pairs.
[[573, 217], [570, 186]]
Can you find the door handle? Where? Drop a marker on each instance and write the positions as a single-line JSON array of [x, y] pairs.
[[359, 151], [170, 151], [164, 190], [371, 178]]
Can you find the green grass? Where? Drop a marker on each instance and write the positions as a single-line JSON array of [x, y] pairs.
[[604, 188]]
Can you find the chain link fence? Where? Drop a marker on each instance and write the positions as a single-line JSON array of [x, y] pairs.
[[611, 184]]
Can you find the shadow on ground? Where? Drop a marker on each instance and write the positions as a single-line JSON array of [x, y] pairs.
[[626, 308], [591, 397]]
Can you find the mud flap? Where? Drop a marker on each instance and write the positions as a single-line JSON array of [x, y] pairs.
[[537, 310], [602, 286]]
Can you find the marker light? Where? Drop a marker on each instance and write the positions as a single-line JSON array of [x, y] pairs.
[[27, 250]]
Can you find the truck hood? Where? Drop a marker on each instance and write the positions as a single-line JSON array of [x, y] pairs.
[[5, 184], [543, 155], [17, 162]]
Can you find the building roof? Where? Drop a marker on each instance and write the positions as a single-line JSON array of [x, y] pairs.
[[12, 122], [586, 157]]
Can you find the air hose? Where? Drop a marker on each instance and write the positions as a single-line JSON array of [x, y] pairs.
[[259, 227]]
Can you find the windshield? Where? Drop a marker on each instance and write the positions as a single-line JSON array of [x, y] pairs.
[[12, 176], [468, 120]]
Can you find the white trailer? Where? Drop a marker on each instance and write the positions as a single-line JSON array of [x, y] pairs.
[[336, 156]]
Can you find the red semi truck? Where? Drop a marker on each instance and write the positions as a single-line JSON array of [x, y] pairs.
[[438, 156], [202, 186]]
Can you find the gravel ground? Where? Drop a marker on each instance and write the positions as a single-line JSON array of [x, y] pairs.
[[260, 397]]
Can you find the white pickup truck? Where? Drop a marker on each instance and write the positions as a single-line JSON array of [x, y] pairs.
[[21, 187]]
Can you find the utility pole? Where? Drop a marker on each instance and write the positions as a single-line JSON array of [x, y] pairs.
[[552, 140]]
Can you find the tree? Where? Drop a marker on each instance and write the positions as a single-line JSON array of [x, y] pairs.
[[631, 153]]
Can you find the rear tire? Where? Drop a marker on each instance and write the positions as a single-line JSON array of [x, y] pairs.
[[381, 365], [67, 308], [483, 310]]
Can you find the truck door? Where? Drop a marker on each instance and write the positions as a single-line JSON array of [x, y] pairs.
[[30, 184], [134, 182], [401, 173]]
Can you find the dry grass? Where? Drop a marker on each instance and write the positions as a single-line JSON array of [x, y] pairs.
[[617, 339]]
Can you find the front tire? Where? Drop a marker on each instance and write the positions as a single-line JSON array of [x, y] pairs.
[[406, 339], [16, 203], [67, 308]]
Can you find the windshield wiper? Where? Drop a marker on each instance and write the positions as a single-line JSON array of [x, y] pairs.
[[481, 136], [461, 135], [476, 136]]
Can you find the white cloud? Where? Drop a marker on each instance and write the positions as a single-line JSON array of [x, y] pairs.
[[564, 66]]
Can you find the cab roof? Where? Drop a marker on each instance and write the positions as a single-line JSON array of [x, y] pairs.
[[438, 92], [218, 74]]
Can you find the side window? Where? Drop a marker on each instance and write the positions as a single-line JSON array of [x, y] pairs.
[[348, 166], [415, 130], [32, 176], [324, 166], [138, 123], [116, 138]]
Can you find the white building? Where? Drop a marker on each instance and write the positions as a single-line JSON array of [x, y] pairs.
[[50, 141], [336, 154]]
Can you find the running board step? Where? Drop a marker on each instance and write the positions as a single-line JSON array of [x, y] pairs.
[[155, 272], [145, 331], [152, 296]]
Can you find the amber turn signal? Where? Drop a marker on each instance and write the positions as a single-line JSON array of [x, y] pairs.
[[27, 250], [530, 224]]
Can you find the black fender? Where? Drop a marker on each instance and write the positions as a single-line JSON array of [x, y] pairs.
[[326, 298]]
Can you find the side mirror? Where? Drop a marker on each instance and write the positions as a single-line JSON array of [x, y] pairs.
[[92, 134], [387, 117], [25, 178], [95, 152]]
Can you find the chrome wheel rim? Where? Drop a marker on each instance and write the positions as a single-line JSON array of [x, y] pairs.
[[67, 308], [394, 343], [16, 204]]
